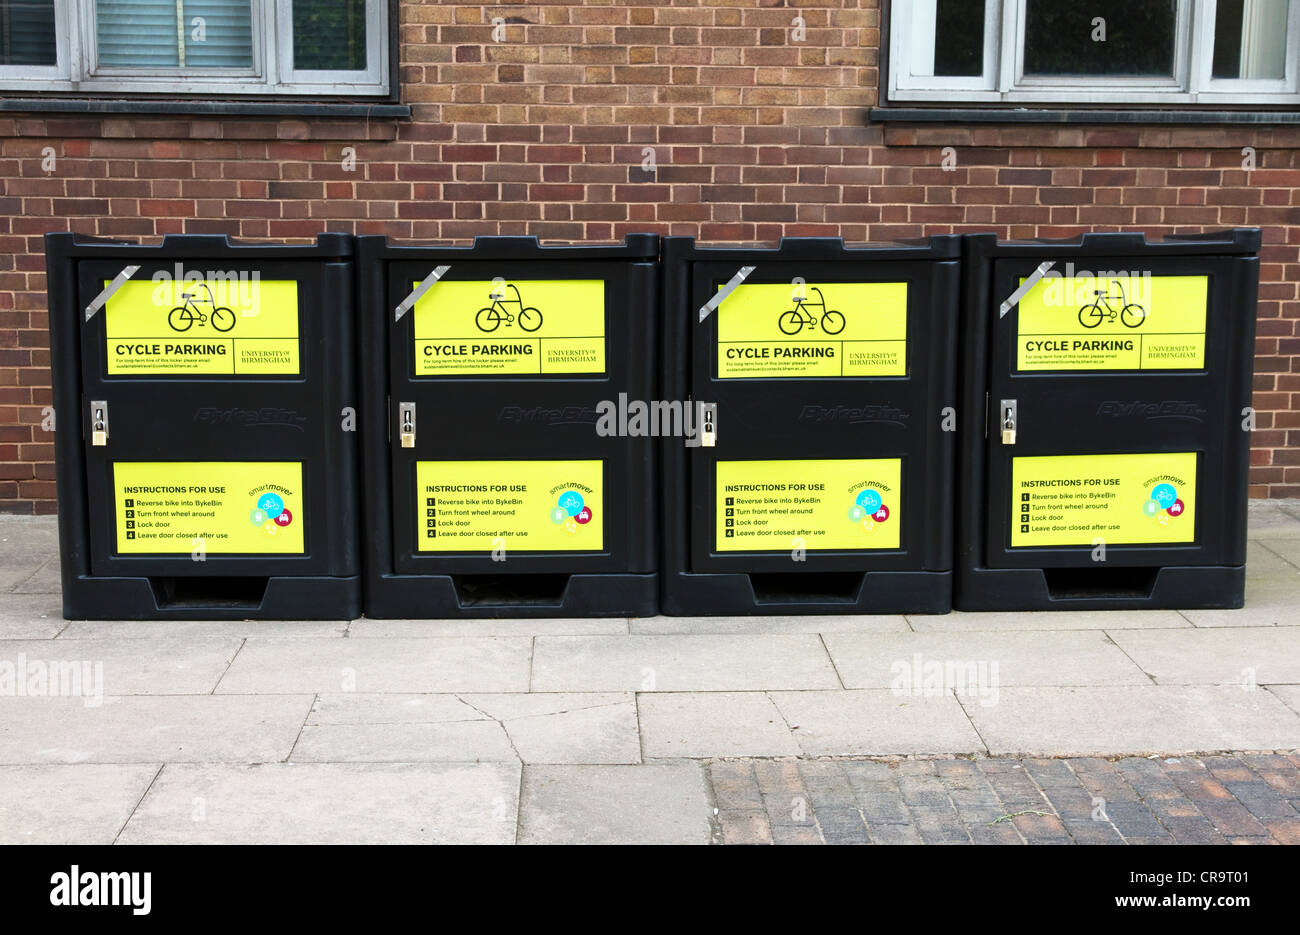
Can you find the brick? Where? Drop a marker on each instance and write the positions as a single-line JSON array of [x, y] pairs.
[[744, 826]]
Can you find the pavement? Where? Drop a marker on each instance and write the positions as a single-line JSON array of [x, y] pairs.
[[1087, 727]]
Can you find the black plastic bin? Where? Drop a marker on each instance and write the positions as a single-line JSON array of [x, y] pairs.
[[493, 487], [823, 379], [203, 390], [1105, 392]]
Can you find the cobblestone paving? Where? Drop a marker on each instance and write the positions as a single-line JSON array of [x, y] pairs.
[[1239, 799]]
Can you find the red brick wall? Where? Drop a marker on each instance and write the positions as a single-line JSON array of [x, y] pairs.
[[755, 135]]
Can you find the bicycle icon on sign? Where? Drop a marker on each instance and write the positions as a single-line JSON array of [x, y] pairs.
[[803, 315], [183, 317], [492, 317], [1130, 314]]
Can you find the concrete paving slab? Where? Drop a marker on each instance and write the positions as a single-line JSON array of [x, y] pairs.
[[874, 722], [26, 544], [30, 616], [681, 663], [1255, 656], [30, 605], [68, 804], [432, 665], [16, 570], [449, 742], [1109, 720], [825, 623], [346, 708], [1273, 519], [537, 728], [1288, 694], [960, 621], [515, 626], [1269, 559], [44, 580], [230, 629], [164, 666], [1286, 549], [578, 727], [135, 729], [651, 803], [981, 661], [713, 724], [329, 803], [1269, 603]]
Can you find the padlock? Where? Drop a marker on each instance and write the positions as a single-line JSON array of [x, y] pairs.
[[99, 423], [406, 413], [1008, 421], [709, 425]]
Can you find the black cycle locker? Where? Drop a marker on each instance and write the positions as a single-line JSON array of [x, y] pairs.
[[1106, 388], [205, 463], [499, 480], [821, 381]]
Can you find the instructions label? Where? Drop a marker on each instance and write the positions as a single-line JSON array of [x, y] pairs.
[[788, 505], [1120, 322], [213, 507], [1117, 499], [516, 326], [853, 329], [236, 325], [533, 506]]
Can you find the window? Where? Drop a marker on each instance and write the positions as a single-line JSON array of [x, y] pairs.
[[220, 47], [1100, 52]]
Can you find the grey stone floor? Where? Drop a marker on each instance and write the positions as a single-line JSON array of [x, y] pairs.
[[657, 730]]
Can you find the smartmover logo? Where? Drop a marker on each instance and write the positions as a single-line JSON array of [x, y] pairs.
[[80, 887]]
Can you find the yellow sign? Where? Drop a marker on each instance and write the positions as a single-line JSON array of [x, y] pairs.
[[1133, 499], [239, 325], [525, 506], [843, 329], [1118, 322], [520, 326], [212, 507], [789, 505]]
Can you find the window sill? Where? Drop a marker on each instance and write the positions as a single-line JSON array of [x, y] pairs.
[[1077, 115], [203, 108]]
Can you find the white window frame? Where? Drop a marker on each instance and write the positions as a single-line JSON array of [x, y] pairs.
[[40, 77], [272, 72], [1004, 81], [307, 80]]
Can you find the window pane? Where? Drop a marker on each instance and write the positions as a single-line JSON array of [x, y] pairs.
[[218, 33], [329, 35], [1134, 38], [27, 32], [175, 33], [1250, 39], [959, 38]]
